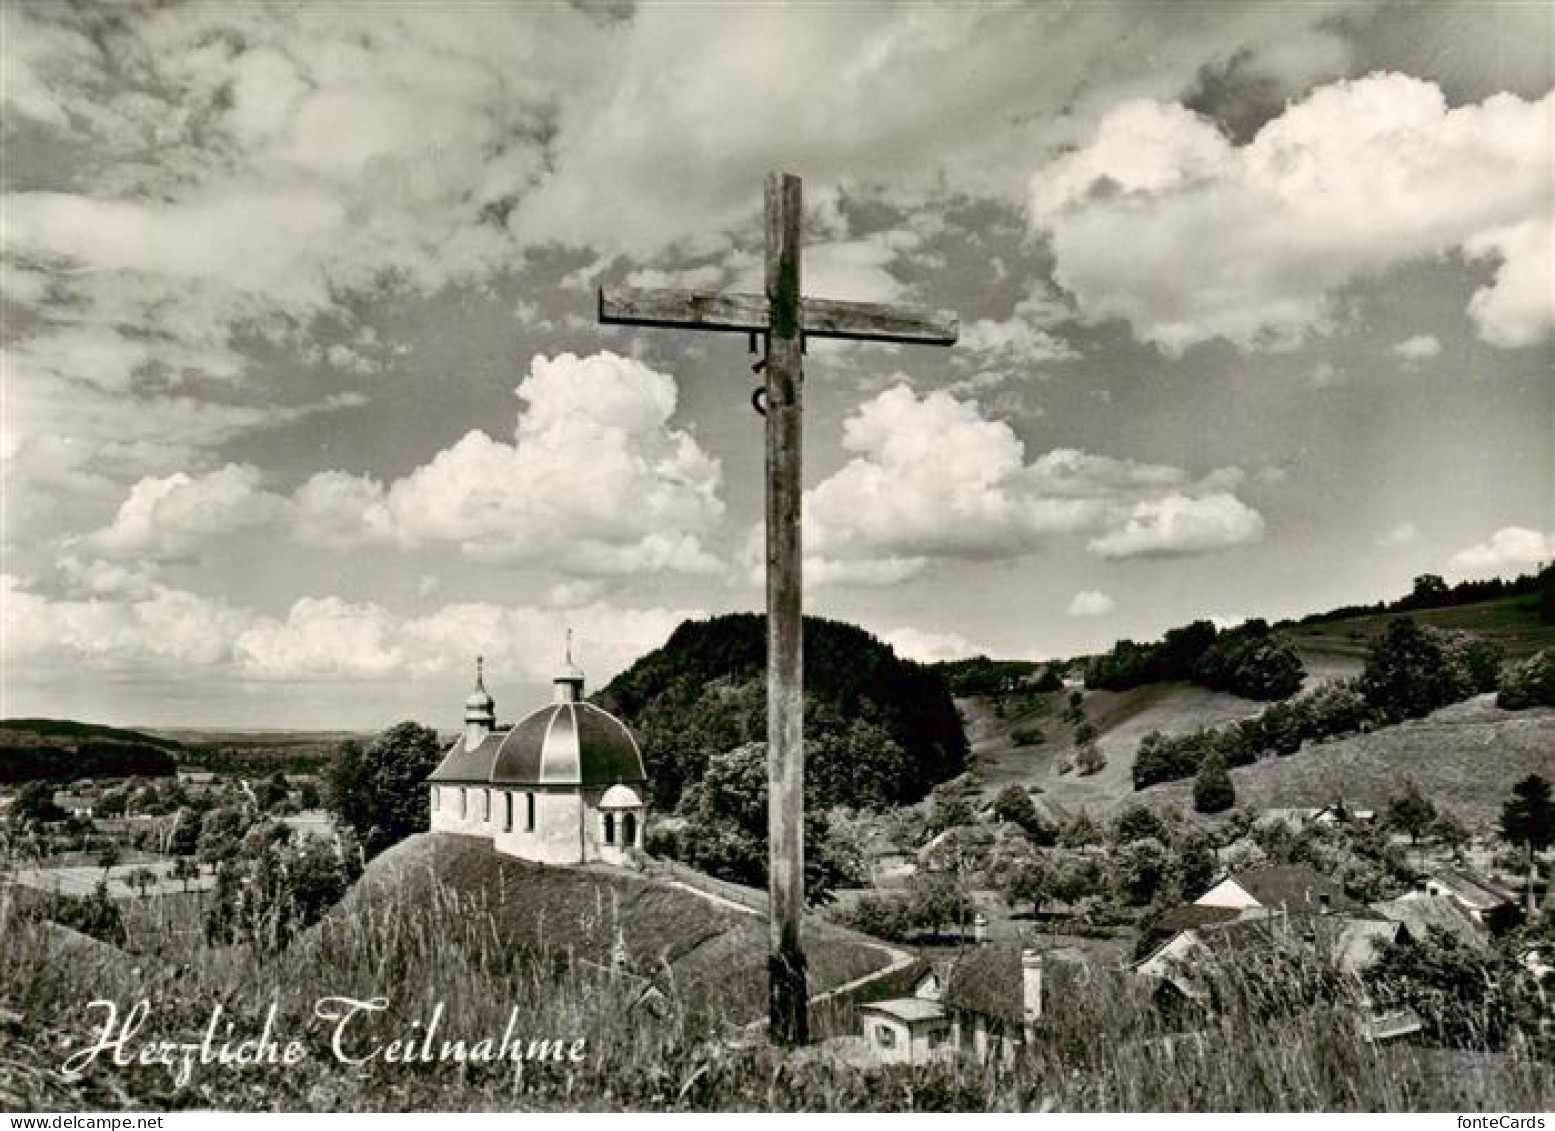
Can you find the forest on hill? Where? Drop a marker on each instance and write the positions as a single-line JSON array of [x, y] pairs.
[[878, 729], [65, 750]]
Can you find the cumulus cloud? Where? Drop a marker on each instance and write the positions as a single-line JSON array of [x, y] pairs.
[[169, 518], [930, 647], [595, 479], [1176, 525], [1163, 222], [1421, 347], [1510, 548], [933, 479], [1091, 603], [173, 632]]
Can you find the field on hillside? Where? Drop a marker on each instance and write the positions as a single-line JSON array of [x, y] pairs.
[[1512, 621], [1121, 718], [1464, 757]]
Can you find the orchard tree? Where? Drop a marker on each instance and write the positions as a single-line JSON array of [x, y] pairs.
[[1413, 813], [1028, 879], [1528, 818], [380, 792]]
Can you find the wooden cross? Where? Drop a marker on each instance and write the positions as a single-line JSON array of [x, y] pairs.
[[784, 318]]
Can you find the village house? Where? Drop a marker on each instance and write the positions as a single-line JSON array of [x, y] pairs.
[[564, 785], [1262, 908], [985, 1004], [1485, 900]]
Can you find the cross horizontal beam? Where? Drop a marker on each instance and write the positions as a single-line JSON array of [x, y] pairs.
[[751, 314]]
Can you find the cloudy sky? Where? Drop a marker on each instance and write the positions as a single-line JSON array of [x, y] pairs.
[[305, 404]]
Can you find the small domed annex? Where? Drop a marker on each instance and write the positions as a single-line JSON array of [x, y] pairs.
[[563, 785]]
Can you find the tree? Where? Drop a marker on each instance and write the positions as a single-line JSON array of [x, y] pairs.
[[1413, 813], [380, 792], [1530, 684], [1089, 759], [35, 802], [272, 792], [1528, 818], [1028, 879], [1212, 788], [108, 856], [184, 870], [1411, 671], [1138, 822], [1013, 804]]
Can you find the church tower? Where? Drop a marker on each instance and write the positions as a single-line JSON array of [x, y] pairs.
[[569, 681], [480, 709]]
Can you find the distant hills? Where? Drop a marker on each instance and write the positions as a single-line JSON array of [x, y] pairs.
[[64, 750]]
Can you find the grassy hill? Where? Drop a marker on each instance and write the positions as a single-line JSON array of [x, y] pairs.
[[1466, 757], [713, 955], [1121, 719], [1338, 648]]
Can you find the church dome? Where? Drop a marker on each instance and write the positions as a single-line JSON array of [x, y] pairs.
[[569, 743]]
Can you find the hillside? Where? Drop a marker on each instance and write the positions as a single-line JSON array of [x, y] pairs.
[[1337, 648], [64, 750], [713, 954], [879, 729], [1121, 719], [1464, 757]]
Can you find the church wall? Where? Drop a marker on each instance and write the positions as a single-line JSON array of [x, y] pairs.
[[568, 826], [556, 837]]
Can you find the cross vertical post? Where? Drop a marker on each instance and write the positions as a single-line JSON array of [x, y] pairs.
[[784, 318], [790, 1023]]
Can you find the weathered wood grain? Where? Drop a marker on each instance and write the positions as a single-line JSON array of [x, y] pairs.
[[737, 313]]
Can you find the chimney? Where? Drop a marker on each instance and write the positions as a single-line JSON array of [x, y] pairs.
[[1031, 985], [1322, 904]]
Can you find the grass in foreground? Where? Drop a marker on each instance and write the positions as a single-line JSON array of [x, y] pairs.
[[1104, 1046]]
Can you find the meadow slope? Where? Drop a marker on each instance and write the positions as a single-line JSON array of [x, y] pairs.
[[1464, 757]]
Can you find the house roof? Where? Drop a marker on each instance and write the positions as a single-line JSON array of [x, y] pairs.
[[1186, 915], [1298, 890], [988, 980], [908, 1009], [1419, 912], [1473, 888]]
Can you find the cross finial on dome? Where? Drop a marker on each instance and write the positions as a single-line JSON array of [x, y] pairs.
[[480, 673], [569, 646]]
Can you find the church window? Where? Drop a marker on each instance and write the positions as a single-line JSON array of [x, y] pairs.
[[885, 1036], [529, 812], [507, 812], [629, 830], [437, 798], [464, 802], [610, 828], [486, 805]]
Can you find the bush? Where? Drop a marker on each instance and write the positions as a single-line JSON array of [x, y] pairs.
[[1089, 759], [1212, 788], [95, 915], [1412, 671], [1027, 736], [1529, 684]]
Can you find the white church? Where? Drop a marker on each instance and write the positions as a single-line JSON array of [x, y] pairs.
[[563, 785]]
